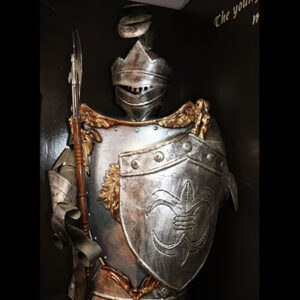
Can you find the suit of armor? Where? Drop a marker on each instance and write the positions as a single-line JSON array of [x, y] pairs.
[[155, 185]]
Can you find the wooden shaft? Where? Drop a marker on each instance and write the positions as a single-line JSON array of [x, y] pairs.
[[80, 175], [81, 188]]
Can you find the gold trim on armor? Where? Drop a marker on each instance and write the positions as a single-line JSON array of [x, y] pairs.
[[187, 113], [148, 284], [109, 194]]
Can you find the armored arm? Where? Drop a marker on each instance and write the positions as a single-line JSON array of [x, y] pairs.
[[215, 141], [66, 214]]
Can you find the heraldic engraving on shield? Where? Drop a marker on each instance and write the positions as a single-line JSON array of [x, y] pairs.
[[185, 220], [146, 190]]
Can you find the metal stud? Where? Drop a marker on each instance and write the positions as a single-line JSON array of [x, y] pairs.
[[135, 164], [158, 156], [136, 130], [155, 127], [210, 157], [187, 146]]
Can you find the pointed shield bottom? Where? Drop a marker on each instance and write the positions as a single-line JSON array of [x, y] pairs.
[[169, 201]]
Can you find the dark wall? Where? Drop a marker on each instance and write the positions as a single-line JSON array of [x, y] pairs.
[[218, 64]]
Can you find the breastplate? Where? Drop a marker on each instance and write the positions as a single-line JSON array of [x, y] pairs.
[[154, 192]]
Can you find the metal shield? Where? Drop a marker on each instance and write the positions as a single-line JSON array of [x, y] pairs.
[[169, 201]]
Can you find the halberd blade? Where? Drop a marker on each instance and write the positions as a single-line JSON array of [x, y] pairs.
[[78, 53]]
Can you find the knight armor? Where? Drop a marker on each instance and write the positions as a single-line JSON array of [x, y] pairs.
[[154, 185]]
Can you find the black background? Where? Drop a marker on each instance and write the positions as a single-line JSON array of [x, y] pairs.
[[220, 65]]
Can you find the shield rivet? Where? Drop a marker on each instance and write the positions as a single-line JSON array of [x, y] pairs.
[[155, 127], [135, 164], [210, 157], [136, 130], [187, 146], [159, 156]]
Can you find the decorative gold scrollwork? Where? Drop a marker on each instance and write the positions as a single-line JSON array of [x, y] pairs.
[[147, 285], [88, 139], [202, 120], [109, 194], [189, 112]]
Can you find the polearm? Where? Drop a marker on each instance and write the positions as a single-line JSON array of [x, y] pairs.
[[75, 79]]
